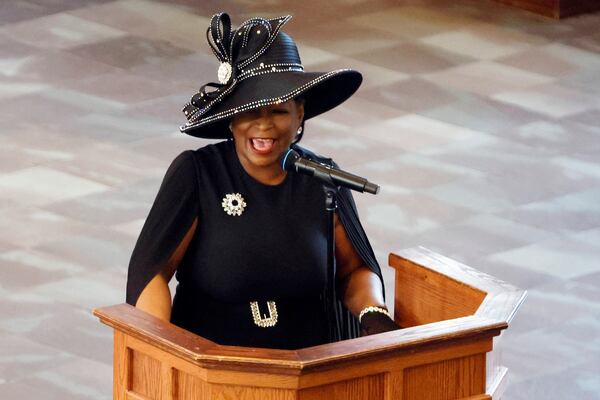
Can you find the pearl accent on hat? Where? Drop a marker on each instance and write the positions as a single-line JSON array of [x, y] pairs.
[[224, 72]]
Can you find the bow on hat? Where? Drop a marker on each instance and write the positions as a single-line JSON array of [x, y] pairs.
[[235, 50]]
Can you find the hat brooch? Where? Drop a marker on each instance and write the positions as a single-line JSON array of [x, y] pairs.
[[224, 73]]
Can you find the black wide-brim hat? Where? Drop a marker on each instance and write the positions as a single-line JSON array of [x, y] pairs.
[[260, 66]]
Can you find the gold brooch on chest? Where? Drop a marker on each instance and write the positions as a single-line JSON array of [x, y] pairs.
[[233, 204]]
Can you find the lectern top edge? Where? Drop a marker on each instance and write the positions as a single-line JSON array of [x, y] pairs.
[[450, 268], [208, 354]]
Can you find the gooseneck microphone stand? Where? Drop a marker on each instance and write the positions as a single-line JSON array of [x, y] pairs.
[[330, 290]]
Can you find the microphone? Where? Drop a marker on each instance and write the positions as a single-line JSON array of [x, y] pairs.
[[292, 161]]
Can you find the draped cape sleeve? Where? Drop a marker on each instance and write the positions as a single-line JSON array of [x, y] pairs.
[[170, 218], [347, 325]]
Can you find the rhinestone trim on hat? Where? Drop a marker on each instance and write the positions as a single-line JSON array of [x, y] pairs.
[[263, 102], [260, 70], [278, 67], [260, 52], [197, 113]]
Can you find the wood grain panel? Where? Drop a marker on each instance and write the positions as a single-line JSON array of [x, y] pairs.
[[447, 380], [424, 296], [229, 392], [394, 383], [168, 377], [429, 270], [133, 396], [395, 362], [189, 387], [121, 366], [448, 267], [365, 388], [146, 379]]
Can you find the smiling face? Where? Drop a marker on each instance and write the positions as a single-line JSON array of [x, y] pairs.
[[262, 135]]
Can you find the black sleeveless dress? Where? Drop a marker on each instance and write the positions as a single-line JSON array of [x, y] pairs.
[[273, 251]]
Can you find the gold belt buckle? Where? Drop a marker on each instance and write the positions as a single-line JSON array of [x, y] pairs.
[[264, 322]]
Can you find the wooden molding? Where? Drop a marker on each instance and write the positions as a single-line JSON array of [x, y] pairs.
[[202, 352]]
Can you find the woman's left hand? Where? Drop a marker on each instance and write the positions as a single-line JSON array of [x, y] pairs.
[[374, 322]]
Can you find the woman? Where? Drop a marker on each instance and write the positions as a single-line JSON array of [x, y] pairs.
[[246, 239]]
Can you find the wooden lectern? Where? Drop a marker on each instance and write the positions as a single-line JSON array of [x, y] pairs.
[[451, 314]]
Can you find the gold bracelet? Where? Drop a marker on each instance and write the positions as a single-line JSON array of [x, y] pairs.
[[372, 309]]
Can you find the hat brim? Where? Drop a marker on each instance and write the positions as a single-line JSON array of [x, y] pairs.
[[322, 91]]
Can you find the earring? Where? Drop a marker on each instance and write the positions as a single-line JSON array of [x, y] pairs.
[[299, 131]]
